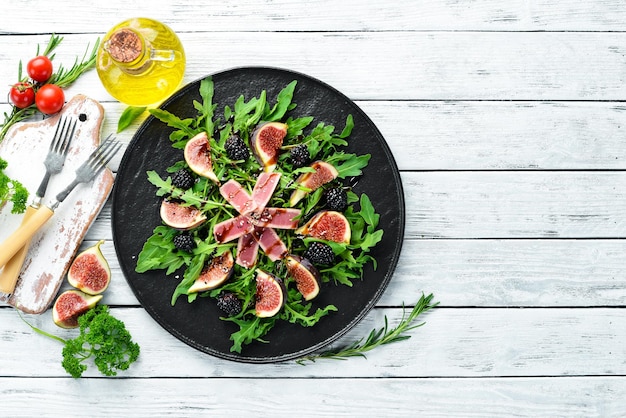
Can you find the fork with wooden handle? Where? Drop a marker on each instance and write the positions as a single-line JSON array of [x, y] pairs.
[[59, 148], [94, 165]]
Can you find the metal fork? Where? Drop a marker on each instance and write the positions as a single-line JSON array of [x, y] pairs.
[[55, 159], [96, 162]]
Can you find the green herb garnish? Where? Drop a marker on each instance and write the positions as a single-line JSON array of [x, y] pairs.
[[378, 337], [102, 338], [12, 191]]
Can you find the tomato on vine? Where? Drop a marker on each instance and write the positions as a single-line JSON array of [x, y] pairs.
[[40, 68], [49, 99], [22, 95]]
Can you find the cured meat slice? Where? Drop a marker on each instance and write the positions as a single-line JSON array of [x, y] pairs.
[[264, 188], [237, 196], [282, 218], [270, 243], [247, 250], [232, 228]]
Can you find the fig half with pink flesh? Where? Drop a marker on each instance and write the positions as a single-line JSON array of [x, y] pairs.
[[270, 294], [198, 156], [70, 305], [327, 225], [266, 141], [90, 271], [313, 180], [215, 273], [181, 217], [305, 274]]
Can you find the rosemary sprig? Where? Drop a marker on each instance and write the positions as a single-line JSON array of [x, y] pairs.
[[377, 337], [62, 77]]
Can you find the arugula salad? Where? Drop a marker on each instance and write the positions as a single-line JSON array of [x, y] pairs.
[[296, 173]]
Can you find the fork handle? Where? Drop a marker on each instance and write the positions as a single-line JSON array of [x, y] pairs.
[[11, 271], [41, 191], [23, 234]]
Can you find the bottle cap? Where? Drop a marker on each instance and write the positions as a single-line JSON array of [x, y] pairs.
[[125, 46]]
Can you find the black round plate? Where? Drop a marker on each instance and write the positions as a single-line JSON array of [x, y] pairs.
[[135, 213]]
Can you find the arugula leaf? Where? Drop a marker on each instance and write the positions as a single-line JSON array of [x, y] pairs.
[[250, 331], [347, 130], [283, 100], [189, 277], [183, 125], [190, 197], [159, 252], [367, 212], [260, 106], [349, 165], [207, 108], [297, 125], [299, 313]]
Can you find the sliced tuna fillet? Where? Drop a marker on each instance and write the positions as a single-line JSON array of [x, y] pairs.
[[236, 195], [247, 250], [264, 188], [270, 243], [232, 228]]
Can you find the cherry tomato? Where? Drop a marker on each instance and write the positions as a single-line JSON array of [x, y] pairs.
[[22, 95], [39, 68], [49, 99]]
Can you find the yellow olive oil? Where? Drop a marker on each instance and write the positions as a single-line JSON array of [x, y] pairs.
[[141, 62]]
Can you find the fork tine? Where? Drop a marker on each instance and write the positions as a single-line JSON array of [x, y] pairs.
[[67, 139], [55, 138], [106, 154]]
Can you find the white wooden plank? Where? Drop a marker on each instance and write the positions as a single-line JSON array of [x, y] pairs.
[[515, 204], [349, 15], [486, 135], [223, 397], [453, 343], [511, 273], [417, 65]]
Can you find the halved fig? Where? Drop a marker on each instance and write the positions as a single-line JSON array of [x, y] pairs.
[[324, 173], [305, 274], [214, 273], [270, 294], [198, 156], [70, 305], [178, 216], [328, 225], [266, 140], [90, 271]]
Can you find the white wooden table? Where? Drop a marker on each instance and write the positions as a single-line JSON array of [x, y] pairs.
[[507, 121]]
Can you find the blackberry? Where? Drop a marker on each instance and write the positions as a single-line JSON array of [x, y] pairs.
[[229, 303], [320, 253], [336, 199], [236, 149], [183, 179], [299, 156], [184, 242]]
